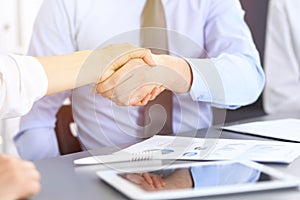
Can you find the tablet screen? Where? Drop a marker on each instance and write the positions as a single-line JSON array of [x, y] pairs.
[[197, 177]]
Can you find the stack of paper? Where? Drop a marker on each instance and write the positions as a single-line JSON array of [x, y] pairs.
[[186, 148], [285, 129]]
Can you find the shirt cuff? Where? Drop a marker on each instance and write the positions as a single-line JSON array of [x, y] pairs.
[[33, 76], [199, 90], [207, 83]]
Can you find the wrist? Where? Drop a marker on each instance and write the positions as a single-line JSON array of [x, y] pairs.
[[183, 82], [83, 66]]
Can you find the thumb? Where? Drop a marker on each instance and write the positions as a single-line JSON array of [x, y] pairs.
[[117, 63]]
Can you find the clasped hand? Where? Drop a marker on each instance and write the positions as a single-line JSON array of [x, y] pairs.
[[141, 76]]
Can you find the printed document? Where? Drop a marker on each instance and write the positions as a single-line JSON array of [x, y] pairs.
[[187, 148]]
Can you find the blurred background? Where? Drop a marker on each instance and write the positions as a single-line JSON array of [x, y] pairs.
[[16, 22]]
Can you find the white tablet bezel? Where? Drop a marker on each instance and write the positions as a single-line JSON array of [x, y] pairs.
[[134, 192]]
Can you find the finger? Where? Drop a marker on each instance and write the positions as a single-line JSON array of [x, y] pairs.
[[129, 89], [162, 88], [144, 54], [141, 98], [155, 92], [139, 53], [157, 181], [107, 94], [143, 95], [162, 181], [34, 175], [145, 100], [30, 189], [106, 74], [137, 104], [147, 178]]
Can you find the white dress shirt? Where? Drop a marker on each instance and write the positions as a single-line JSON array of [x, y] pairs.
[[282, 57], [201, 29], [22, 82]]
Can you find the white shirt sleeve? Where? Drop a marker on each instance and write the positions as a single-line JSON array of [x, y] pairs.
[[22, 82]]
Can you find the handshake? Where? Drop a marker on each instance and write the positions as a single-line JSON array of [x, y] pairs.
[[130, 75]]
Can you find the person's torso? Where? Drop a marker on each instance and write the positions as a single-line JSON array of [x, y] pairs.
[[98, 23]]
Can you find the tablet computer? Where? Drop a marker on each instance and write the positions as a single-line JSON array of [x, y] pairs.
[[197, 179]]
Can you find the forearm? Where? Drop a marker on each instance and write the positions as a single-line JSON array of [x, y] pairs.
[[63, 71]]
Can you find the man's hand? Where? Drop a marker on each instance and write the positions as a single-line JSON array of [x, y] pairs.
[[18, 179], [154, 179], [130, 85], [147, 181], [136, 83]]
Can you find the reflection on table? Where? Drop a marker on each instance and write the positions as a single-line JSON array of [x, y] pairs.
[[196, 177]]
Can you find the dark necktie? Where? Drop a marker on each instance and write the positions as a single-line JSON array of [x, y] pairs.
[[154, 36]]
